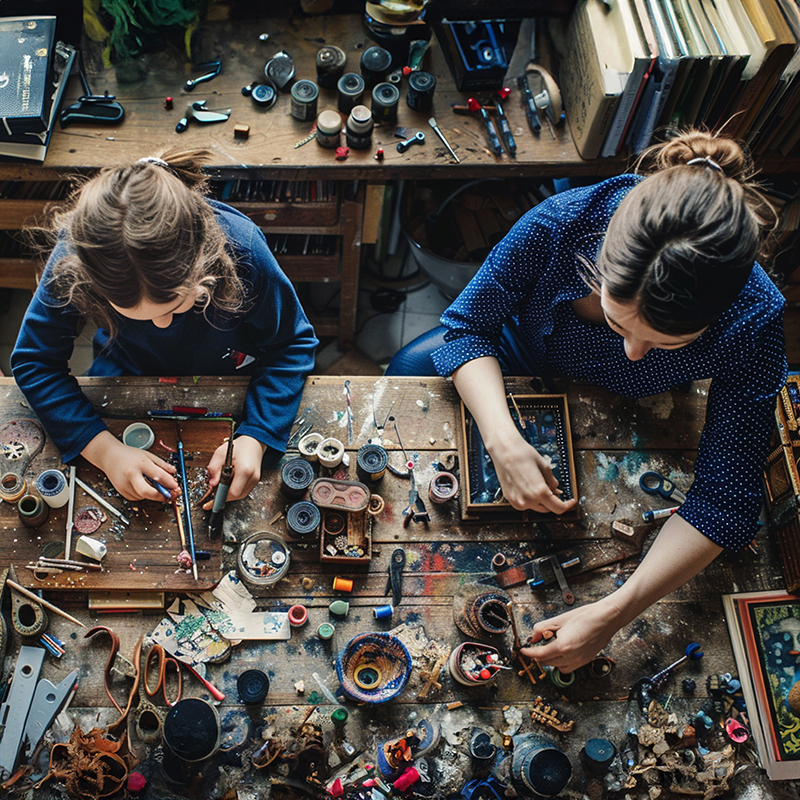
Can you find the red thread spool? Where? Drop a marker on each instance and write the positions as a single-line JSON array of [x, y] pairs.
[[298, 616], [406, 780]]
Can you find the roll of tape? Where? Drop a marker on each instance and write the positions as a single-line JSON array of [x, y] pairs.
[[296, 477], [371, 462], [302, 519], [52, 486]]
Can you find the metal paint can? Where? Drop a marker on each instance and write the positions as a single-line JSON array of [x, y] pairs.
[[330, 65], [304, 100], [421, 86], [375, 65], [358, 130], [329, 134], [385, 97], [351, 90]]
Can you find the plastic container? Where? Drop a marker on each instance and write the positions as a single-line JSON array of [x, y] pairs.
[[139, 435], [263, 559]]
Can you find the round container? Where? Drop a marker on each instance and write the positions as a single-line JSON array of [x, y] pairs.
[[358, 130], [252, 685], [191, 730], [373, 667], [443, 487], [296, 477], [385, 97], [263, 559], [339, 716], [264, 95], [32, 510], [310, 443], [52, 486], [329, 133], [371, 462], [12, 487], [597, 755], [139, 435], [304, 100], [351, 89], [539, 765], [330, 452], [298, 616], [330, 65], [302, 519], [280, 69], [421, 86], [375, 65], [325, 630], [466, 661]]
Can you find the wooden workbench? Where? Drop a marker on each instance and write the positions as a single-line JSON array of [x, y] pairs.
[[615, 440]]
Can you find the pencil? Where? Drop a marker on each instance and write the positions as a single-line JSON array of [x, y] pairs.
[[43, 603], [70, 510], [103, 502]]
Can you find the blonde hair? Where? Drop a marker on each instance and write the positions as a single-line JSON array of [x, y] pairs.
[[143, 232]]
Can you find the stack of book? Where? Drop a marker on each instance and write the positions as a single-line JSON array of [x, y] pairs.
[[637, 66], [33, 76]]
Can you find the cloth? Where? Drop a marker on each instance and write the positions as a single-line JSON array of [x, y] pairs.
[[272, 341], [528, 282]]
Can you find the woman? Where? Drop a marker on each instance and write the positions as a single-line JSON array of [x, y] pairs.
[[637, 284]]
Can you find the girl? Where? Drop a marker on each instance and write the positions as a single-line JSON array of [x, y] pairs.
[[178, 285], [638, 285]]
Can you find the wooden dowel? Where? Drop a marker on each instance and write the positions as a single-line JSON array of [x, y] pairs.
[[49, 606]]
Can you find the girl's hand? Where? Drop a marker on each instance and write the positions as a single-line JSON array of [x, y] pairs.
[[128, 468], [580, 635], [247, 455], [525, 476]]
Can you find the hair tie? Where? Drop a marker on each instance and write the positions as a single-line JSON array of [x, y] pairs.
[[706, 161], [153, 160]]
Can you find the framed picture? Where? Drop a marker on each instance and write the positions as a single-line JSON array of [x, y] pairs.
[[765, 634]]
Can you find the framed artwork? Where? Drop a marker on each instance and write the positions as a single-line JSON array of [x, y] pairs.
[[765, 634]]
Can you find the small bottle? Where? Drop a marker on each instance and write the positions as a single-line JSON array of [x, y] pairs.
[[420, 91], [358, 130], [330, 66], [375, 65], [329, 128], [351, 90], [304, 100], [385, 97]]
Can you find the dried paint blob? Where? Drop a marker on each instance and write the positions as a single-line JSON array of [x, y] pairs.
[[89, 519]]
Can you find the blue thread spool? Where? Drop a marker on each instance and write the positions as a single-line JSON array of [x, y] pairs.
[[52, 486], [383, 612]]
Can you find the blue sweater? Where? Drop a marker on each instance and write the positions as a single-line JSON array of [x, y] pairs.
[[273, 331], [529, 281]]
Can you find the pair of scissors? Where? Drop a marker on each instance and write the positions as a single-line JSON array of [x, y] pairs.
[[656, 483], [162, 662]]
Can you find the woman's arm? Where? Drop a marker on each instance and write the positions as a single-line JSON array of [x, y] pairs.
[[526, 479], [679, 553]]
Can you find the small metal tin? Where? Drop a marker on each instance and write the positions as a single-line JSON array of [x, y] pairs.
[[329, 133], [351, 90], [385, 97], [375, 65], [330, 65], [358, 130], [304, 100], [264, 95], [421, 86], [280, 69]]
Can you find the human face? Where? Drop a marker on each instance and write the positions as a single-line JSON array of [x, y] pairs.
[[640, 338], [160, 314]]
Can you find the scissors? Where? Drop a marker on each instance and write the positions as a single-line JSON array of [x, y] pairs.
[[162, 661], [656, 483]]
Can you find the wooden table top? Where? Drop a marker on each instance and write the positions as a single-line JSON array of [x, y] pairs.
[[615, 440]]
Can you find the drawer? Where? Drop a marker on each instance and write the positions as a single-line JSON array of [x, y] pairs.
[[17, 273], [15, 213], [310, 268], [295, 215]]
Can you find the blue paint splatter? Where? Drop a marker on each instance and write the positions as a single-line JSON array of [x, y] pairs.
[[609, 472], [312, 646]]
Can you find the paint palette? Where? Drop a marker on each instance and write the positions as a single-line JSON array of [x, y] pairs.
[[543, 421]]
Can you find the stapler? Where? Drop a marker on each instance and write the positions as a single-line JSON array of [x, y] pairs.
[[102, 108]]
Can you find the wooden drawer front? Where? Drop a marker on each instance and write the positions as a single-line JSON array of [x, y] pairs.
[[300, 215], [310, 268], [15, 213], [17, 273]]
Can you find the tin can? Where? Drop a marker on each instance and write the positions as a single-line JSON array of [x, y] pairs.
[[420, 91], [351, 90], [358, 130], [385, 97], [304, 100], [329, 130], [330, 66], [375, 65]]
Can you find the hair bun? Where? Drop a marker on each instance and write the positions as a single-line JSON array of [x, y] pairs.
[[731, 157]]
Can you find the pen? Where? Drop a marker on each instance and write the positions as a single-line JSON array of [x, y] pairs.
[[651, 516], [505, 129], [530, 105], [166, 494], [217, 510]]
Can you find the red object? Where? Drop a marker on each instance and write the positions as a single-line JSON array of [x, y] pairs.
[[504, 92], [379, 154], [407, 71], [167, 380], [485, 674], [406, 780], [298, 616], [189, 410], [136, 782], [736, 731], [168, 103], [342, 153], [337, 790], [473, 104]]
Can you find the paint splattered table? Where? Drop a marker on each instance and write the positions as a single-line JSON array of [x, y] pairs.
[[615, 440]]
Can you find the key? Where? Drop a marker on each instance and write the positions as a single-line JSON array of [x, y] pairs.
[[417, 138]]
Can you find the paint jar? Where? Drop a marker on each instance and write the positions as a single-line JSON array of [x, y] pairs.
[[351, 90], [263, 559], [32, 510], [539, 766], [330, 65], [385, 97], [139, 435], [420, 91], [252, 685], [358, 130], [52, 486], [375, 65], [325, 631], [304, 100], [12, 487], [597, 755], [371, 463], [298, 616], [310, 443], [470, 664], [329, 134]]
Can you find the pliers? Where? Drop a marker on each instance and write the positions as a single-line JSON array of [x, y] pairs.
[[394, 583], [415, 510]]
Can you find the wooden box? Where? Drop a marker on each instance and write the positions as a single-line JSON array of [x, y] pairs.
[[354, 527], [543, 420]]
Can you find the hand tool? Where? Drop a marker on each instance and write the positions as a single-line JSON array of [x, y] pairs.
[[103, 502], [216, 68], [530, 105], [70, 511], [417, 138], [349, 412], [644, 686], [162, 490], [656, 483], [213, 691], [394, 583], [543, 103], [199, 112], [566, 593], [494, 141], [221, 497], [48, 701], [432, 123], [187, 506], [91, 107], [505, 129], [652, 516]]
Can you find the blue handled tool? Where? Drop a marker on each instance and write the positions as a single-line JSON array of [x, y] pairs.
[[187, 506], [656, 483]]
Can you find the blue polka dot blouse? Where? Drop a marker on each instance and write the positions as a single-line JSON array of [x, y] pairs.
[[528, 282]]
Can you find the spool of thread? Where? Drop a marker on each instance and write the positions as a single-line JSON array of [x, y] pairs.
[[385, 97], [383, 612], [52, 486], [421, 86], [329, 134], [375, 65], [304, 100], [32, 510], [358, 131], [325, 630], [298, 616], [12, 487], [302, 519], [371, 462], [351, 89], [443, 488], [330, 65], [252, 685], [296, 477], [561, 679], [342, 584], [330, 453]]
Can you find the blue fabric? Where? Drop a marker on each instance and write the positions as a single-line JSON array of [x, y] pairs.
[[527, 284], [273, 330]]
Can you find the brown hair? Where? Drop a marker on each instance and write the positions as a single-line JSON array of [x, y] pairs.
[[143, 232], [683, 242]]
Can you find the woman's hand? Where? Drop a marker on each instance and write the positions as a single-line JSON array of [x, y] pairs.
[[247, 455], [525, 476], [580, 635], [128, 468]]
